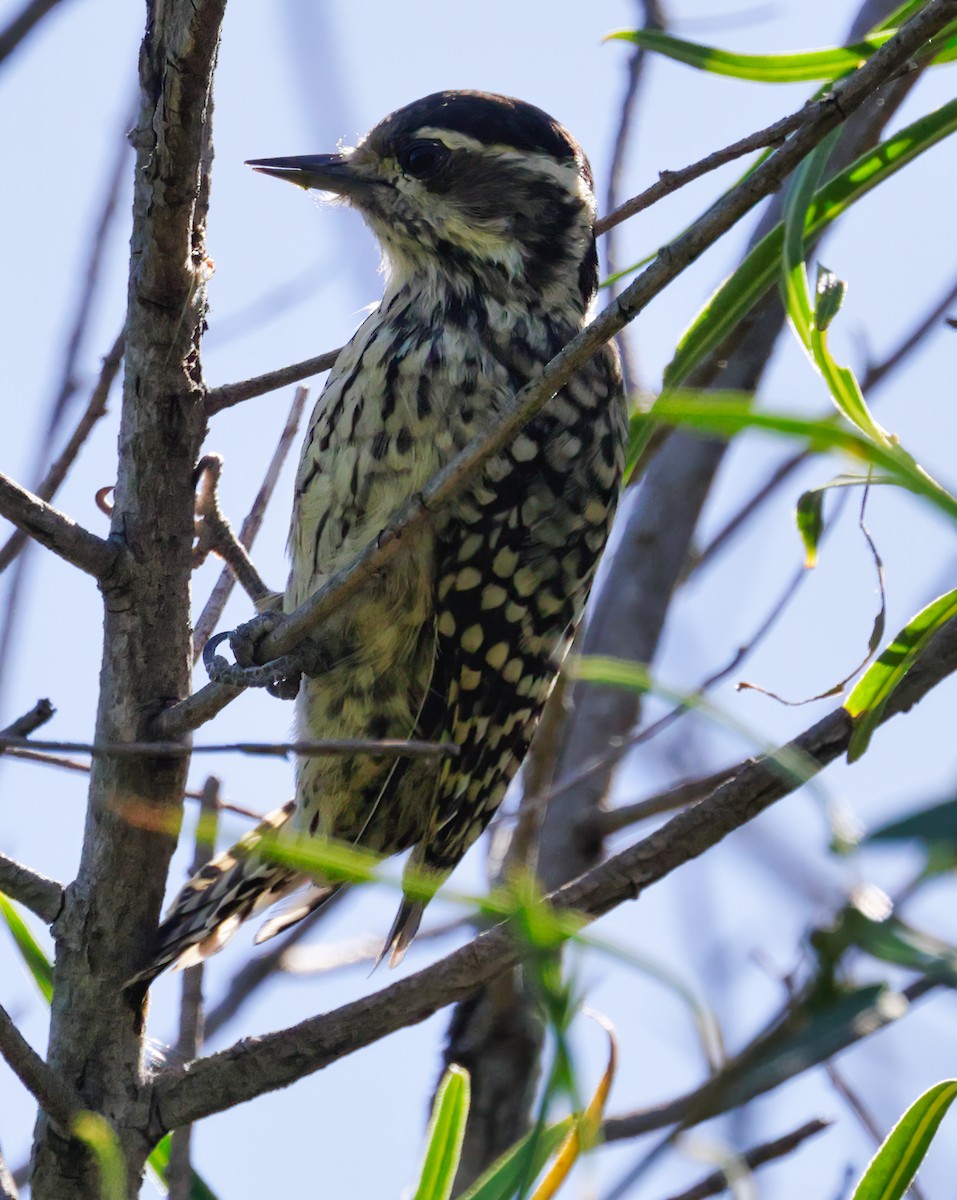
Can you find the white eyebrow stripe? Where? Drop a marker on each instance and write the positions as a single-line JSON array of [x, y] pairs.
[[449, 138]]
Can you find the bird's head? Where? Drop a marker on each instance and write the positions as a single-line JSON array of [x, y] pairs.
[[470, 187]]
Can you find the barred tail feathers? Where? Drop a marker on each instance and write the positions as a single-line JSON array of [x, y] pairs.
[[209, 909]]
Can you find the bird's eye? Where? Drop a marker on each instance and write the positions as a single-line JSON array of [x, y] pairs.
[[422, 160]]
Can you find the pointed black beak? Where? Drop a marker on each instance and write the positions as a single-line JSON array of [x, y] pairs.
[[319, 172]]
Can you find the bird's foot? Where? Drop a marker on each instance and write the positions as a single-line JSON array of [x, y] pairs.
[[280, 677]]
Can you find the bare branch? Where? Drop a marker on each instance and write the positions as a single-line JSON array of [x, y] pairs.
[[191, 1033], [717, 1182], [23, 23], [671, 181], [249, 1069], [234, 393], [613, 820], [213, 610], [214, 533], [95, 409], [53, 529], [449, 483], [23, 726], [34, 891], [387, 747], [49, 1091]]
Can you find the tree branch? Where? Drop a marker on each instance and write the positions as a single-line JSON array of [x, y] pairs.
[[452, 481], [717, 1182], [53, 529], [95, 409], [255, 1066], [49, 1091], [34, 891], [23, 23], [229, 394]]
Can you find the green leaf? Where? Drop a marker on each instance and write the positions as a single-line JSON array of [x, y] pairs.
[[809, 515], [798, 67], [36, 961], [895, 1164], [738, 294], [99, 1137], [158, 1165], [444, 1137], [521, 1163], [725, 414], [934, 826], [869, 698]]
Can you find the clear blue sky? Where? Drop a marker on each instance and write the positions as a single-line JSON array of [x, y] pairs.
[[291, 279]]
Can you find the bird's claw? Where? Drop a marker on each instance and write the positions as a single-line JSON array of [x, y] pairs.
[[280, 677]]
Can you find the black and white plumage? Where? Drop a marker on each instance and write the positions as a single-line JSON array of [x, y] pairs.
[[484, 210]]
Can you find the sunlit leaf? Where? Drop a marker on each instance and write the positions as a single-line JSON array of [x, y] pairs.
[[96, 1132], [522, 1162], [584, 1132], [809, 514], [37, 963], [736, 296], [444, 1137], [725, 414], [894, 1166], [797, 67], [869, 698]]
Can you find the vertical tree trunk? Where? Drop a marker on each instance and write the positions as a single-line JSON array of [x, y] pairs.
[[134, 803]]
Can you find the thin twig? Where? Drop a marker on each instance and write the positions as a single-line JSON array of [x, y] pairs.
[[50, 483], [681, 795], [179, 1174], [387, 747], [23, 23], [23, 726], [717, 1182], [213, 609], [53, 529], [671, 181], [31, 889], [215, 534], [229, 394], [450, 482], [49, 1091]]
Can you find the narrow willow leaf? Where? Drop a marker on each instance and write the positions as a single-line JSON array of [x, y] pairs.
[[898, 16], [99, 1137], [799, 67], [522, 1162], [869, 698], [895, 1164], [36, 961], [757, 273], [584, 1133], [809, 514], [158, 1164], [446, 1131], [726, 414]]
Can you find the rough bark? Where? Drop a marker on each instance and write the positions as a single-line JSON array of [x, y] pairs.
[[112, 907]]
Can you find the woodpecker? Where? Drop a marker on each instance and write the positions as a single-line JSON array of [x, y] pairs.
[[484, 210]]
